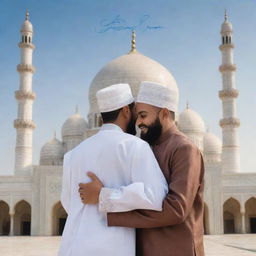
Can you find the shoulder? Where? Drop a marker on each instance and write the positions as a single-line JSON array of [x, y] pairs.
[[84, 144], [136, 141], [133, 145], [186, 149], [179, 141]]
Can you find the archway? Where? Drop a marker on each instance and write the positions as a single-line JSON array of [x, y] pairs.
[[4, 219], [59, 217], [250, 215], [231, 216], [206, 220], [22, 219], [229, 223]]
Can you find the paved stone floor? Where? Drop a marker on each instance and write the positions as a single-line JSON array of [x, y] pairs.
[[226, 245]]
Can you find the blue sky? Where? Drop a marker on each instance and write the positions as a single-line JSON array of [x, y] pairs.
[[70, 51]]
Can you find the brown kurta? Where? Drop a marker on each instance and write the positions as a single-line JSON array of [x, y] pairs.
[[178, 229]]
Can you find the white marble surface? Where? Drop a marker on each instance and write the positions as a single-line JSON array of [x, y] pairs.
[[226, 245], [29, 246], [230, 245]]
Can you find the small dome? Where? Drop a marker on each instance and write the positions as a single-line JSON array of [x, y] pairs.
[[226, 27], [190, 121], [52, 153], [27, 26], [212, 144], [74, 126]]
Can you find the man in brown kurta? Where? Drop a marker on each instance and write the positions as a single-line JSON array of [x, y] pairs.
[[178, 229]]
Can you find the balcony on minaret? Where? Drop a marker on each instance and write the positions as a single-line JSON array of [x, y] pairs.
[[227, 44], [230, 122], [227, 67], [26, 68], [228, 94], [26, 43]]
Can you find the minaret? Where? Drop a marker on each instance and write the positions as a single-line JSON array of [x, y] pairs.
[[229, 123], [25, 97]]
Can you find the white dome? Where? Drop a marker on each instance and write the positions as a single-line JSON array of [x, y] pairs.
[[52, 153], [74, 126], [27, 26], [226, 27], [190, 121], [212, 144], [132, 68]]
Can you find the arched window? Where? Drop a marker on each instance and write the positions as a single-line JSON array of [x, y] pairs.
[[25, 39], [22, 218], [250, 215], [29, 39], [59, 217], [230, 39], [226, 39], [22, 39], [223, 40], [4, 219], [231, 216]]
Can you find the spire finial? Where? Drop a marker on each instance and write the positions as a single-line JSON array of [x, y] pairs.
[[226, 15], [27, 14], [187, 105], [133, 49], [76, 109]]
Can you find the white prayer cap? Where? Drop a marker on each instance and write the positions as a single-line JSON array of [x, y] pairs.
[[114, 97], [158, 95]]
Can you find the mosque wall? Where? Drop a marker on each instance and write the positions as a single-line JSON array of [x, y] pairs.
[[48, 180]]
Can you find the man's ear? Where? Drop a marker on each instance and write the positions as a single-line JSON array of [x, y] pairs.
[[164, 114]]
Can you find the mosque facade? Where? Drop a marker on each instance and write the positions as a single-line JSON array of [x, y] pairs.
[[30, 199]]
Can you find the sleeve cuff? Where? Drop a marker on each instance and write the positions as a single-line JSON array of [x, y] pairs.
[[105, 204]]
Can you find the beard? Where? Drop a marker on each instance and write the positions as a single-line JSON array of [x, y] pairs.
[[131, 129], [153, 133]]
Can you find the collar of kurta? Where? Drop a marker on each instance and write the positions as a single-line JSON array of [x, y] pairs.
[[164, 136], [111, 127]]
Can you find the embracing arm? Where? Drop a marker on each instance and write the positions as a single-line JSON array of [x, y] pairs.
[[186, 178], [147, 191]]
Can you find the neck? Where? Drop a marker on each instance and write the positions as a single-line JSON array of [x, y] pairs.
[[118, 123], [167, 126]]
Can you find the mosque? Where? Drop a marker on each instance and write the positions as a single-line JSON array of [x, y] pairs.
[[30, 199]]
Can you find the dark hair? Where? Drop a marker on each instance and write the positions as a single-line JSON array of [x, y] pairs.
[[172, 115], [109, 117]]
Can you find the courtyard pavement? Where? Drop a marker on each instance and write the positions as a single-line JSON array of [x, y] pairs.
[[224, 245]]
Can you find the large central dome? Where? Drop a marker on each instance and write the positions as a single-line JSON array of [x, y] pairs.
[[131, 68]]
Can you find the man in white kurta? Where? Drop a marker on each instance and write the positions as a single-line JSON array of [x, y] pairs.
[[124, 163]]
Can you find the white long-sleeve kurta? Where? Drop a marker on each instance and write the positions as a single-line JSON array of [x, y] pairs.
[[122, 162]]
